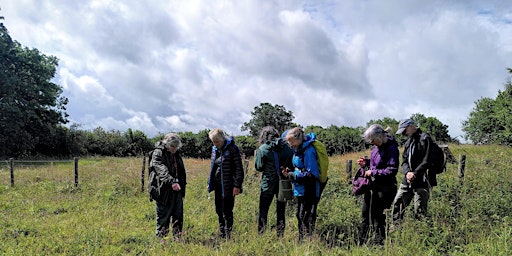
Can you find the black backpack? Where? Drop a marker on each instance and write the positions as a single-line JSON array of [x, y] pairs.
[[437, 158]]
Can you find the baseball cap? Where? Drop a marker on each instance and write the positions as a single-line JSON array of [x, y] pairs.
[[403, 125]]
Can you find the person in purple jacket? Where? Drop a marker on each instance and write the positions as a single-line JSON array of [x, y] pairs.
[[381, 168]]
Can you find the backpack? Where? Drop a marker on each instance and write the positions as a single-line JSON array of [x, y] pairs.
[[360, 183], [323, 160], [437, 158], [157, 190]]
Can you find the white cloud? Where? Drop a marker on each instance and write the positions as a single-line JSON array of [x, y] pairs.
[[160, 66]]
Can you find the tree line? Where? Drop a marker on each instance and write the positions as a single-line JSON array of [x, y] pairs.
[[33, 118]]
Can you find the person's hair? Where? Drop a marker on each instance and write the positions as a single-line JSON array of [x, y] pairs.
[[172, 139], [296, 133], [268, 133], [217, 134], [375, 130]]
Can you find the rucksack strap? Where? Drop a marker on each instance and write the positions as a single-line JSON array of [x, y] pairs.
[[276, 161]]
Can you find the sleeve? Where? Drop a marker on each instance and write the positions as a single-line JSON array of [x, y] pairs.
[[160, 168], [259, 161], [424, 150], [310, 162], [390, 163], [239, 169]]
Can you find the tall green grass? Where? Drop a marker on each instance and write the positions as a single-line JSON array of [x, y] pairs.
[[107, 214]]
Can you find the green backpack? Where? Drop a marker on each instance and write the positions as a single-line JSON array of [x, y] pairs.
[[323, 160]]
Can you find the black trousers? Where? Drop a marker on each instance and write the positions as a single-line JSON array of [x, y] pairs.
[[306, 214], [265, 202], [372, 213], [224, 209], [172, 211]]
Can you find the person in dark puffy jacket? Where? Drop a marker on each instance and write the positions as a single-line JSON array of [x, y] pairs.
[[167, 182], [381, 168], [226, 178], [265, 162]]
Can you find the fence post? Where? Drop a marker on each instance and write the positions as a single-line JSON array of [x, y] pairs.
[[11, 164], [462, 166], [142, 174], [76, 171], [348, 170]]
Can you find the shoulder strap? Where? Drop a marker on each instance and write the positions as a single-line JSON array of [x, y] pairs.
[[276, 161]]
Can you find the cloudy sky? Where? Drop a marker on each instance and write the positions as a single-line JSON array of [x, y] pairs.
[[160, 66]]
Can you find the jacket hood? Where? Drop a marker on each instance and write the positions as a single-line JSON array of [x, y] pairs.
[[309, 138]]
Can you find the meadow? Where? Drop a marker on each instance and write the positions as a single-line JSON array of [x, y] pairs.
[[108, 214]]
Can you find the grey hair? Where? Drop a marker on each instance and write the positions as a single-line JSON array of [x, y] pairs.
[[172, 139], [268, 133], [373, 131]]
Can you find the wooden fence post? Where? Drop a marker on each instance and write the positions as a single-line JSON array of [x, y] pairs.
[[348, 170], [462, 166], [76, 171], [11, 164], [142, 174]]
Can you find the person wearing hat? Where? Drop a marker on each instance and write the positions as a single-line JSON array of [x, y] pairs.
[[414, 166]]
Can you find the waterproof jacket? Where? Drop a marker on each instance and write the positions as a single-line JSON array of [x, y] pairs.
[[167, 168], [306, 167], [415, 159], [229, 172], [384, 163], [265, 163]]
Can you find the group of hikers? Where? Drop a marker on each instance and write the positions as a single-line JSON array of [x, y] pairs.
[[290, 156]]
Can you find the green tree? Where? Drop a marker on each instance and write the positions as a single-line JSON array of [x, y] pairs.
[[490, 122], [431, 125], [386, 122], [31, 107], [267, 114]]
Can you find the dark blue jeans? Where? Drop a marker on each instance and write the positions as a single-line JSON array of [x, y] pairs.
[[265, 202]]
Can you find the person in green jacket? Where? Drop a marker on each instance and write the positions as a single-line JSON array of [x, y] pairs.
[[265, 162]]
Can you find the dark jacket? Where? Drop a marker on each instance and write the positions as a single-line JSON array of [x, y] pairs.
[[418, 147], [384, 163], [265, 163], [167, 168], [229, 172]]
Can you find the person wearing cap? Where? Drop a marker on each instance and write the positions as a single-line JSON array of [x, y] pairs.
[[414, 166]]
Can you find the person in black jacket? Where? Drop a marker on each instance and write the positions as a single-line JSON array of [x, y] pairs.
[[169, 178], [226, 178], [415, 159], [381, 168]]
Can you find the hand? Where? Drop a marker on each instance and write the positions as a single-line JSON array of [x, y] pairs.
[[284, 171], [368, 173], [410, 177], [236, 191], [361, 162], [176, 187]]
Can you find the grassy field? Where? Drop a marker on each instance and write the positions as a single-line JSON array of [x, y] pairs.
[[107, 214]]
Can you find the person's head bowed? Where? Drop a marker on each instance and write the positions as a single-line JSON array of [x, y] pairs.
[[172, 142], [218, 137], [375, 135], [267, 134], [295, 137]]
